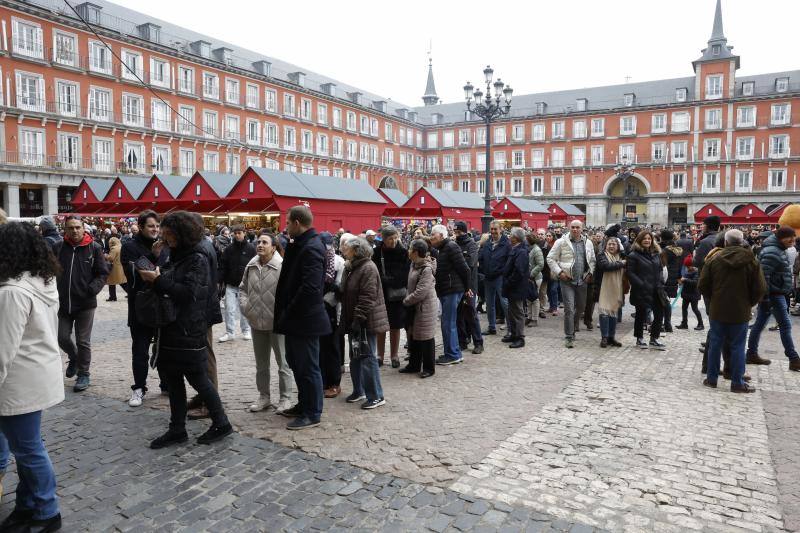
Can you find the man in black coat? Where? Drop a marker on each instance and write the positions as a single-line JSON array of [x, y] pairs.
[[671, 257], [300, 314], [453, 281], [83, 276], [492, 260], [468, 324], [231, 269], [706, 242]]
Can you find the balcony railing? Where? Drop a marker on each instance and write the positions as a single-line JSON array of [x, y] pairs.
[[28, 48]]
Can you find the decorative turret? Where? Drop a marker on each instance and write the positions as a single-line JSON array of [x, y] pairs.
[[430, 97], [718, 48]]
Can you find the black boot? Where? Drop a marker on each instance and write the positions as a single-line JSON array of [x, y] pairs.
[[682, 325]]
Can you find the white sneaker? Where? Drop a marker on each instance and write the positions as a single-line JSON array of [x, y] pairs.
[[136, 398], [283, 405], [225, 338], [259, 405], [247, 336]]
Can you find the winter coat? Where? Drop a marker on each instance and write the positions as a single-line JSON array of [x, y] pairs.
[[362, 298], [299, 309], [213, 312], [469, 249], [516, 273], [257, 291], [117, 275], [234, 260], [536, 262], [50, 233], [776, 267], [672, 258], [690, 292], [30, 360], [492, 259], [687, 245], [603, 266], [422, 295], [704, 245], [644, 273], [132, 250], [393, 265], [83, 276], [732, 283], [562, 257], [184, 279], [452, 272]]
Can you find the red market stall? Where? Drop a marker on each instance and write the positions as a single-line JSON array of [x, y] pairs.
[[521, 211], [89, 195], [161, 193], [394, 200], [747, 214], [123, 195], [446, 206], [564, 213], [775, 214], [335, 202], [207, 193], [709, 210]]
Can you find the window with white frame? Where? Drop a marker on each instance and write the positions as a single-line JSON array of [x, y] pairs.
[[629, 99], [338, 172], [305, 109], [289, 105], [681, 94], [463, 137], [711, 181], [680, 121], [232, 163], [433, 139], [517, 186], [99, 58], [481, 187], [480, 161], [289, 138], [273, 165], [67, 98], [557, 157], [714, 119], [322, 114], [103, 154], [132, 110], [27, 39], [677, 182], [557, 184], [447, 163], [432, 163], [558, 130], [254, 162], [678, 150], [388, 158], [711, 149], [232, 127], [352, 151], [781, 85], [373, 127], [626, 155], [65, 49], [351, 121], [363, 124], [31, 146], [210, 124], [322, 144], [323, 171], [778, 146], [777, 180], [518, 159], [499, 185], [69, 146], [100, 104], [598, 153], [537, 133], [744, 181], [580, 104], [337, 117], [780, 114], [627, 125], [658, 152], [578, 185], [748, 88], [500, 134], [714, 87], [307, 145], [578, 129], [598, 127], [186, 79], [289, 167], [537, 158], [746, 117], [162, 159], [186, 120], [578, 156], [253, 128], [338, 147], [465, 161], [463, 186], [270, 135], [232, 91], [252, 94], [537, 185], [363, 154], [186, 161], [518, 132], [160, 116], [307, 168], [480, 137], [132, 66], [448, 138], [159, 73], [210, 85], [30, 92], [270, 101], [745, 147], [659, 123], [211, 161], [500, 160], [133, 154]]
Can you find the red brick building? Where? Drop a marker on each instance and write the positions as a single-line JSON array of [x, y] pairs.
[[171, 101]]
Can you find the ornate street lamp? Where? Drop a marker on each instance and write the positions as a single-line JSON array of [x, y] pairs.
[[624, 172], [489, 108]]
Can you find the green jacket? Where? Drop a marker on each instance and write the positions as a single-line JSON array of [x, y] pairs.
[[733, 283]]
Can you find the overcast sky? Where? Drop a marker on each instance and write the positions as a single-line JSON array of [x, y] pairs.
[[535, 46]]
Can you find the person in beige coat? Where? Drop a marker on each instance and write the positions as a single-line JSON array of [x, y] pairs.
[[257, 302], [30, 373], [117, 274], [423, 309]]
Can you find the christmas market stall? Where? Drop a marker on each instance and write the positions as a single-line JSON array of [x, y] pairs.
[[562, 213], [428, 205], [521, 212]]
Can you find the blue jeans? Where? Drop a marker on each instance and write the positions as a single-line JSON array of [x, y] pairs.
[[449, 304], [365, 373], [552, 294], [735, 335], [776, 304], [493, 289], [233, 313], [302, 354], [608, 326], [36, 489]]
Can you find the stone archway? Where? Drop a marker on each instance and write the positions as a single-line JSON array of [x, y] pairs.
[[388, 182], [627, 199]]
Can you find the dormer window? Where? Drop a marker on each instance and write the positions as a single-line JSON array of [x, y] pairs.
[[298, 78], [630, 98], [435, 118], [748, 88], [716, 50], [581, 104], [781, 85], [681, 94], [540, 108]]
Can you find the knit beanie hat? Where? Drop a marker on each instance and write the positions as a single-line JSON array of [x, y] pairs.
[[784, 231]]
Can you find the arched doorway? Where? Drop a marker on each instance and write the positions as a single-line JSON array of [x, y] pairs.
[[627, 199], [388, 182]]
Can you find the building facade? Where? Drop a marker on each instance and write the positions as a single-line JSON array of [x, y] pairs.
[[104, 91]]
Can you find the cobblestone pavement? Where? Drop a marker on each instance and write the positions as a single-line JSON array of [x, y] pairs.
[[619, 439]]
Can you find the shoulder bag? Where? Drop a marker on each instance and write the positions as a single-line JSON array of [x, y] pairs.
[[393, 294], [359, 345]]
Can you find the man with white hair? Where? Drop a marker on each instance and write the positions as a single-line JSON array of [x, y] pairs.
[[732, 283], [452, 283], [572, 261]]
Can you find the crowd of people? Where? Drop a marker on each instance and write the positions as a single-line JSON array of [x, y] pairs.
[[306, 299]]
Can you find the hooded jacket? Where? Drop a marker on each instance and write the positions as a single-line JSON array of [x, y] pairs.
[[704, 245], [732, 283], [644, 274], [452, 273], [234, 260], [672, 258], [30, 360], [83, 276], [132, 250], [776, 267], [50, 233]]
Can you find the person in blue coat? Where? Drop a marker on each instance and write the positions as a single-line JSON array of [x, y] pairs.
[[515, 288], [491, 262]]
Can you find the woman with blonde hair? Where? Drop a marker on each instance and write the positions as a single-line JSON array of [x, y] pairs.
[[609, 290]]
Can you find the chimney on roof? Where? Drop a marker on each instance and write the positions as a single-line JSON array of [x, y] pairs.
[[89, 12], [201, 48], [298, 78], [355, 97], [149, 32], [223, 55], [328, 88], [263, 67]]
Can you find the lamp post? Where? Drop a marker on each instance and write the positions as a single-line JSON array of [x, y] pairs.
[[624, 172], [489, 109]]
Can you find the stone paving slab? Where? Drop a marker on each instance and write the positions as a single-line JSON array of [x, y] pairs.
[[782, 411]]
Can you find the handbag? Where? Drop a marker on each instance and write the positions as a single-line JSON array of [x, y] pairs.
[[533, 291], [393, 294], [359, 345], [154, 310]]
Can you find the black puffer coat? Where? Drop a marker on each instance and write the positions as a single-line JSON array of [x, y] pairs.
[[644, 274], [393, 265], [452, 272], [672, 257]]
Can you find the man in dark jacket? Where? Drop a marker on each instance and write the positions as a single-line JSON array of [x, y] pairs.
[[515, 288], [231, 269], [778, 275], [50, 233], [141, 247], [733, 283], [492, 260], [300, 314], [468, 324], [83, 276], [672, 258], [452, 283], [706, 242]]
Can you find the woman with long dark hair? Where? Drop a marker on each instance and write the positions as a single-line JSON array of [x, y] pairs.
[[647, 287], [30, 372], [182, 348], [393, 264]]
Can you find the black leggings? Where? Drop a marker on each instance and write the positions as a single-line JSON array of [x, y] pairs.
[[422, 354], [641, 318], [685, 311], [196, 373]]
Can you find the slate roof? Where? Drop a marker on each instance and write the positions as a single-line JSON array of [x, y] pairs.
[[99, 186], [457, 199], [174, 183], [135, 186], [526, 205], [395, 195], [569, 208], [220, 183], [292, 184]]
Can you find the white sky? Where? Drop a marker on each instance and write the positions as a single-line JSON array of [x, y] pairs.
[[534, 45]]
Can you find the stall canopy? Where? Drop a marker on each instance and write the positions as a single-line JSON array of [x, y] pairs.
[[335, 202], [775, 214], [162, 191], [449, 206], [394, 199], [123, 196], [748, 214], [565, 213], [526, 212], [89, 196], [207, 192], [708, 210]]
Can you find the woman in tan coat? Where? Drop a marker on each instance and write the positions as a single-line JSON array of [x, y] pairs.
[[117, 274], [423, 308]]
